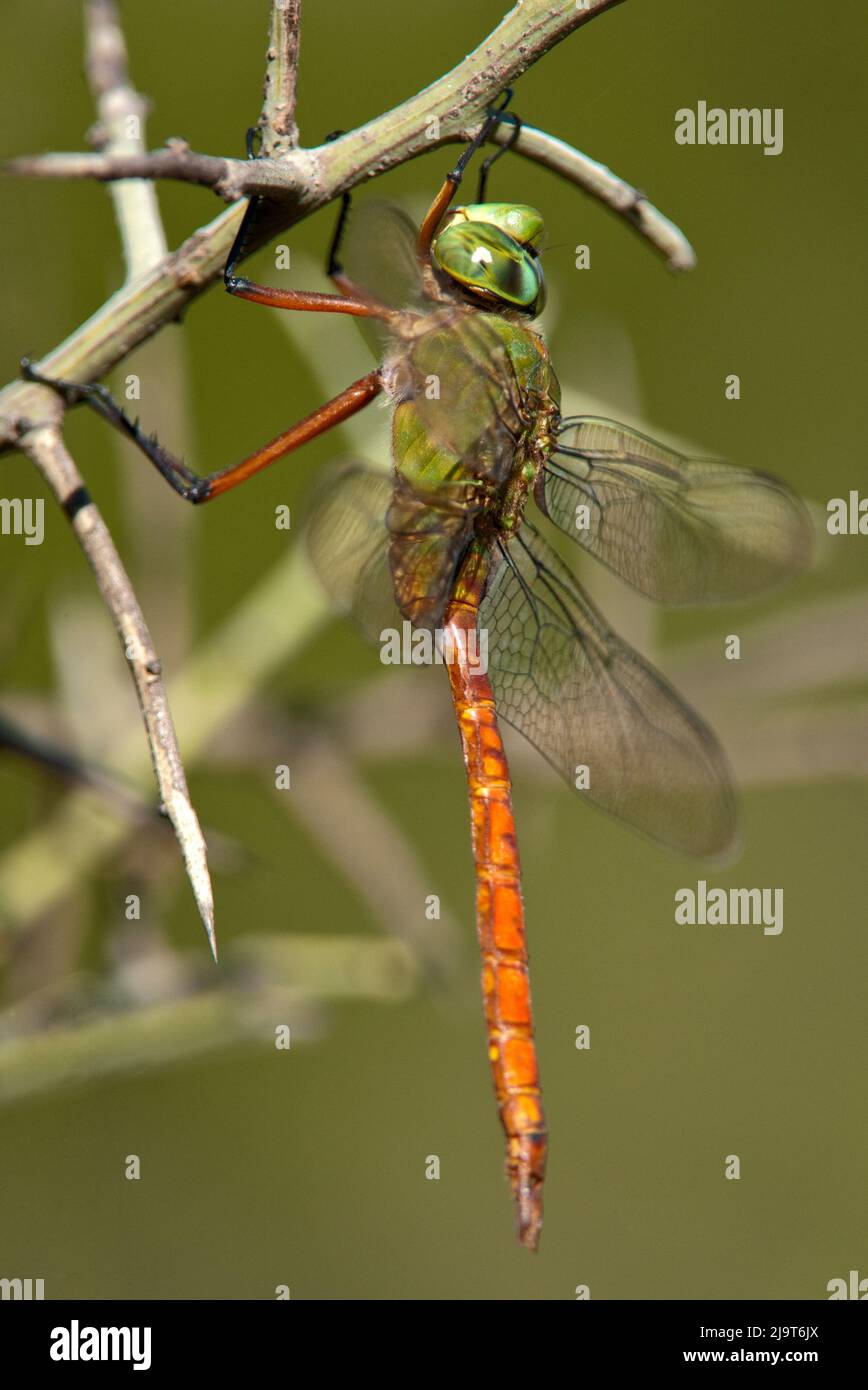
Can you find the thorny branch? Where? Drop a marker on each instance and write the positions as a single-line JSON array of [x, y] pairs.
[[306, 179], [236, 178], [298, 181], [48, 452], [121, 119], [277, 125]]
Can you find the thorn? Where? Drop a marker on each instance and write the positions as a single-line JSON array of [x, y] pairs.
[[192, 843], [200, 882], [205, 904], [212, 935]]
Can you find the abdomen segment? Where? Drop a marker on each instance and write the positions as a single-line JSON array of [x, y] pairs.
[[500, 923]]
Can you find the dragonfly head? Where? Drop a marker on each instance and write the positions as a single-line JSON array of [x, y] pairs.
[[490, 251]]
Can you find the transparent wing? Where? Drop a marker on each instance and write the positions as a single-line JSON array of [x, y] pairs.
[[463, 385], [379, 253], [458, 373], [585, 699], [679, 530], [425, 546], [348, 543]]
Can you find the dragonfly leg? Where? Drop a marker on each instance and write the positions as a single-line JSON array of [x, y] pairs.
[[334, 268], [192, 486], [482, 186], [349, 301], [311, 301], [434, 215], [189, 485]]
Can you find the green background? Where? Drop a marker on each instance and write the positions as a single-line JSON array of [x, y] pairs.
[[307, 1168]]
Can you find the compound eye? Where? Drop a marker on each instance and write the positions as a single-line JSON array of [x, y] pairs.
[[520, 221], [482, 257]]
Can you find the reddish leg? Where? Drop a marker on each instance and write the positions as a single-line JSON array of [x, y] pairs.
[[189, 485], [351, 299], [339, 408], [185, 482], [434, 215], [310, 300]]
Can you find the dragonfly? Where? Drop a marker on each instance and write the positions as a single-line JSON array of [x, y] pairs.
[[452, 541]]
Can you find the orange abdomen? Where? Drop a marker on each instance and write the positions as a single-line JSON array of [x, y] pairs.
[[500, 926]]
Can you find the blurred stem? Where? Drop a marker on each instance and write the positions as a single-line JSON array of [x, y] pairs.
[[121, 132], [370, 851], [161, 550], [40, 868], [269, 982]]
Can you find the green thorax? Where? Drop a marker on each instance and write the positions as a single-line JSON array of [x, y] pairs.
[[477, 399]]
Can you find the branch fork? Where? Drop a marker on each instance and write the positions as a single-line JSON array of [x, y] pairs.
[[159, 285]]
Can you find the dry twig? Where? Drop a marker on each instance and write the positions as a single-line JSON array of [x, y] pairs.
[[47, 450]]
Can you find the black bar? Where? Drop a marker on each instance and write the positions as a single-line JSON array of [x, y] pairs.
[[602, 1337]]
